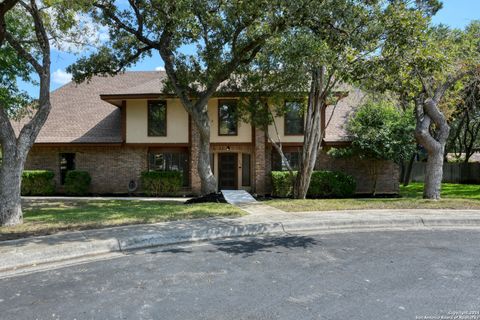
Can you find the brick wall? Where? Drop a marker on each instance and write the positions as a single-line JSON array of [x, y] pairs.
[[362, 170], [111, 168]]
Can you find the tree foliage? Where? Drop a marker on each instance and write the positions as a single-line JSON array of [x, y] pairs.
[[464, 140], [27, 30], [338, 44], [380, 131]]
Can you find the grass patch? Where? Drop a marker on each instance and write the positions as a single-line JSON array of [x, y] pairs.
[[449, 191], [454, 196], [48, 217]]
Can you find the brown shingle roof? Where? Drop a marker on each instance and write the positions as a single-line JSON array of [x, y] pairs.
[[79, 115], [336, 131]]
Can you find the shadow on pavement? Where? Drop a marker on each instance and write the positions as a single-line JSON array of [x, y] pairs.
[[251, 246]]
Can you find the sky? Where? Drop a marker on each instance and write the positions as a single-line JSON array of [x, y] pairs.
[[455, 13]]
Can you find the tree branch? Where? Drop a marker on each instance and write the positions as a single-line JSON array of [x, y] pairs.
[[5, 6], [138, 33]]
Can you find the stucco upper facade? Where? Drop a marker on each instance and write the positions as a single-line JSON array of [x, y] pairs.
[[137, 122], [178, 124]]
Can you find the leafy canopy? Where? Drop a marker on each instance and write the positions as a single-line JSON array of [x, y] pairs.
[[204, 40], [350, 39], [62, 23], [380, 131]]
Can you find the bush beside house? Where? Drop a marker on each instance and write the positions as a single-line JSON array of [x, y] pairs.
[[323, 184], [38, 183], [77, 183], [159, 183]]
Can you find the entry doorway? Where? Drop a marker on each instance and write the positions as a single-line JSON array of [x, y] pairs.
[[227, 171]]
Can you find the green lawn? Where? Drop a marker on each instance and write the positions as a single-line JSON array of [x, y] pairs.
[[47, 217], [454, 196]]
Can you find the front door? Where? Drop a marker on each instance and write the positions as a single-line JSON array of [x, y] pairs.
[[227, 171]]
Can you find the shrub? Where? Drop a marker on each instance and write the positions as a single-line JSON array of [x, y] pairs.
[[157, 183], [282, 184], [77, 183], [323, 184], [331, 184], [38, 183]]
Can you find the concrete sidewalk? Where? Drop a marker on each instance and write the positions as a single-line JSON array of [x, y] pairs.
[[20, 255]]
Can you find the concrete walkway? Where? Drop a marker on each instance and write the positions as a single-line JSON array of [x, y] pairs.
[[236, 197], [33, 253]]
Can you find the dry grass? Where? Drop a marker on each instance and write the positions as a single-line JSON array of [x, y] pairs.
[[48, 217], [455, 196]]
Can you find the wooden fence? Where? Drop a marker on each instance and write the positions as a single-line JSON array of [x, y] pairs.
[[452, 172]]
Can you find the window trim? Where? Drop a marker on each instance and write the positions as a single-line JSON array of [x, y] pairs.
[[285, 122], [286, 150], [220, 101], [148, 118], [172, 151], [249, 170], [64, 155]]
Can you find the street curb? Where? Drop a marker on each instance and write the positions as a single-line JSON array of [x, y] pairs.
[[20, 256], [155, 240]]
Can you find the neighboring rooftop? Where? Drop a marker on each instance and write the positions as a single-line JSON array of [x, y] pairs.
[[336, 131], [79, 115]]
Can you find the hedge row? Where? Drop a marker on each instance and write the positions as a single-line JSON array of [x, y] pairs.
[[38, 183], [323, 184], [41, 183], [77, 183], [159, 183]]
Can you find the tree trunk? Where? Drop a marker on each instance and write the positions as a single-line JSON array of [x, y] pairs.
[[10, 188], [208, 181], [312, 134], [408, 170], [15, 149], [433, 175], [426, 111]]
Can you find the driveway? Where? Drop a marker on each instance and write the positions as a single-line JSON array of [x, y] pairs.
[[363, 275]]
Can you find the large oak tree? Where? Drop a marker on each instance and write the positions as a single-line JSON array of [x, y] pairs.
[[27, 29], [223, 35], [421, 72], [331, 47]]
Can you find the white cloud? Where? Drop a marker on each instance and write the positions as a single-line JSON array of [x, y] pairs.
[[61, 77], [160, 68], [85, 35]]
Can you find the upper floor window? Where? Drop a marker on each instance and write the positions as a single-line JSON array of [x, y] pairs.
[[157, 118], [293, 118], [227, 118]]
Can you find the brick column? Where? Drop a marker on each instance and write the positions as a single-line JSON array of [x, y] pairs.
[[260, 170], [194, 150]]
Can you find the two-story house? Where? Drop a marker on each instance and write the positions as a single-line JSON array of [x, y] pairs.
[[117, 127]]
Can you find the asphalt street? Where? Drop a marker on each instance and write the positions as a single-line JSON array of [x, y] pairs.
[[365, 275]]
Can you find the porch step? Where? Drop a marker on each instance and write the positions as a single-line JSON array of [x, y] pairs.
[[238, 196]]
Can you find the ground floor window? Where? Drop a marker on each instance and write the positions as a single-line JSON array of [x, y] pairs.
[[67, 163], [293, 158], [170, 161]]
